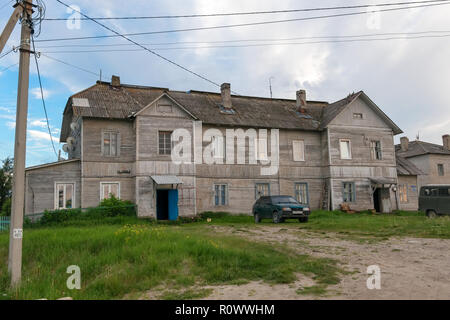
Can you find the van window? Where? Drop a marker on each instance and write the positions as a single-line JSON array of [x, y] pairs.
[[431, 192], [444, 192]]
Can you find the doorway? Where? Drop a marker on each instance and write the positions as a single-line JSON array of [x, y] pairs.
[[377, 200], [167, 205]]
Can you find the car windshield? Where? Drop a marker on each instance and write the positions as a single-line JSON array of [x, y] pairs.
[[281, 199]]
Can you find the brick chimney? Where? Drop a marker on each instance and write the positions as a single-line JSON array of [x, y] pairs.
[[225, 90], [115, 81], [446, 142], [301, 101], [404, 143]]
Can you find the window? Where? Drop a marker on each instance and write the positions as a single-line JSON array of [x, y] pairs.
[[444, 192], [109, 188], [345, 147], [110, 144], [298, 149], [301, 193], [219, 147], [403, 193], [261, 149], [348, 192], [64, 195], [262, 190], [220, 194], [375, 150], [165, 142], [441, 170], [358, 116]]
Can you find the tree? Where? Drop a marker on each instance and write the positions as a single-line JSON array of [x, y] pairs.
[[6, 173]]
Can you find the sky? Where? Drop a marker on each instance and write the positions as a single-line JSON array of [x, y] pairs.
[[408, 79]]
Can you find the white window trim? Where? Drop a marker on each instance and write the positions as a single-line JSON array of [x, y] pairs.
[[56, 198], [226, 194], [118, 142], [258, 143], [171, 143], [108, 182], [303, 150], [349, 149]]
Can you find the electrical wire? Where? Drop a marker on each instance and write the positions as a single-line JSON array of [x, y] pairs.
[[42, 96], [9, 67], [237, 25], [254, 12], [69, 64], [244, 40], [145, 48], [255, 45], [6, 53]]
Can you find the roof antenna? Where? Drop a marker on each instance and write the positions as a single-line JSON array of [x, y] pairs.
[[418, 136], [100, 75], [270, 86]]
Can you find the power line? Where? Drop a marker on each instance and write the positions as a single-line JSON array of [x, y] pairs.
[[69, 64], [253, 12], [256, 45], [6, 53], [247, 40], [145, 48], [9, 67], [241, 24], [42, 96]]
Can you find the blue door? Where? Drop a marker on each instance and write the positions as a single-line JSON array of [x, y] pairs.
[[173, 205]]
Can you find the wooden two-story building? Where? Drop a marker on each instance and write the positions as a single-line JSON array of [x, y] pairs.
[[120, 140]]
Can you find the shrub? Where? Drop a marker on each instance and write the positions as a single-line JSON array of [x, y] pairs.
[[58, 216], [6, 208], [114, 207]]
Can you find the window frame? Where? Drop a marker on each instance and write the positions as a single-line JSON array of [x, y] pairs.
[[353, 193], [221, 203], [56, 195], [349, 149], [102, 183], [302, 159], [160, 132], [358, 116], [118, 142], [440, 172], [256, 189], [373, 150], [306, 191], [403, 193]]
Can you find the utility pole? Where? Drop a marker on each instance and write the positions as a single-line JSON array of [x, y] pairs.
[[18, 190]]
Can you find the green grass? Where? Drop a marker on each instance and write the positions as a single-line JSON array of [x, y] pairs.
[[116, 261], [363, 226]]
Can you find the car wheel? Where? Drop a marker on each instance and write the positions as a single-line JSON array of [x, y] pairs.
[[257, 218], [303, 220], [431, 214], [276, 217]]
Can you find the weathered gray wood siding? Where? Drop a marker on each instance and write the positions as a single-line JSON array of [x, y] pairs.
[[163, 115], [361, 167], [97, 168], [40, 185], [412, 191]]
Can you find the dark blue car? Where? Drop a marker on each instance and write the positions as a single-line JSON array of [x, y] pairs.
[[280, 208]]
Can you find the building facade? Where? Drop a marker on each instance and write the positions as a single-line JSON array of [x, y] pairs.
[[121, 140]]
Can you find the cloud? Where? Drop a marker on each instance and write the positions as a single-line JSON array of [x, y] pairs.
[[36, 135], [11, 124], [36, 92], [40, 123]]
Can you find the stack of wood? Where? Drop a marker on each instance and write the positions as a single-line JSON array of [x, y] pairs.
[[345, 207]]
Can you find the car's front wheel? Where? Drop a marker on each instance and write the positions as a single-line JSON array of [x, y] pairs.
[[257, 217], [303, 220], [431, 214], [276, 217]]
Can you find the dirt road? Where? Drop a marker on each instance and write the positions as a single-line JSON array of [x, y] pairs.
[[411, 268]]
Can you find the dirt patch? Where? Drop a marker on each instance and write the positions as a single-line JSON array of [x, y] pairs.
[[411, 268]]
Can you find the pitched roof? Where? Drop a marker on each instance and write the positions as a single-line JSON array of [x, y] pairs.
[[418, 148], [105, 101], [406, 167]]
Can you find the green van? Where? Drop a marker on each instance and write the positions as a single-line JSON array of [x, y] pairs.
[[435, 200]]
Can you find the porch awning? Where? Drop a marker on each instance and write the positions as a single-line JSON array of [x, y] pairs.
[[167, 180], [382, 181]]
